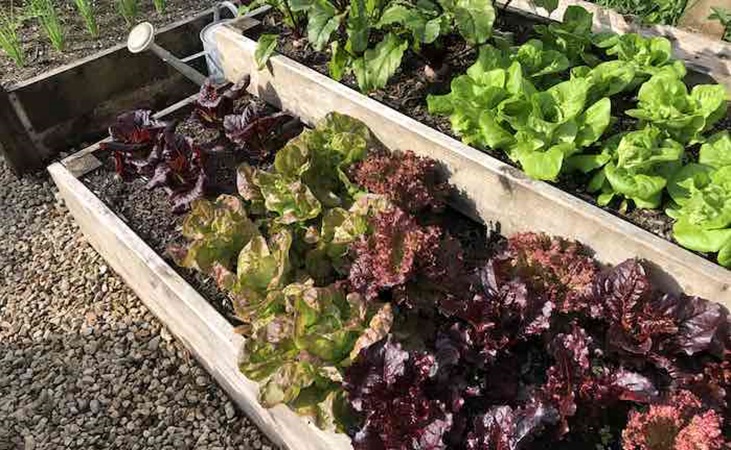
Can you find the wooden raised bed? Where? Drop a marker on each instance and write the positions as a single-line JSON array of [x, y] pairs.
[[188, 316], [73, 104], [495, 190]]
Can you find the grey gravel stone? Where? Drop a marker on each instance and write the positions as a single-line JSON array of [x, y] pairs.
[[83, 364]]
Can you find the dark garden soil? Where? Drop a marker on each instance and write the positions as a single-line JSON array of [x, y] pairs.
[[417, 78], [40, 56]]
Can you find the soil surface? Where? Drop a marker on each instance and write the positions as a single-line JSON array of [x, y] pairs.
[[40, 56], [407, 90]]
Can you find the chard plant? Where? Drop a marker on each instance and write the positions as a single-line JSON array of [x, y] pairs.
[[86, 10], [368, 39], [45, 12], [9, 40]]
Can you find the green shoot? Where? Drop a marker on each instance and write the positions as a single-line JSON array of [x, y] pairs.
[[47, 16], [160, 5], [723, 15], [86, 10], [128, 9], [9, 41]]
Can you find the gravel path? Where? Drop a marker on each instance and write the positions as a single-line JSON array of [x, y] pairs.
[[83, 364]]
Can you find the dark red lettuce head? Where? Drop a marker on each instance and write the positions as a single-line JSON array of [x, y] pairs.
[[252, 129], [556, 269], [505, 428], [389, 387], [216, 102], [136, 127]]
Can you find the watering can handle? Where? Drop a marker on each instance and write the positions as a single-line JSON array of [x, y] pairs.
[[221, 5]]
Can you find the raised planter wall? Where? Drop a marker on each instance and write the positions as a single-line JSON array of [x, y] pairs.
[[493, 191], [71, 106]]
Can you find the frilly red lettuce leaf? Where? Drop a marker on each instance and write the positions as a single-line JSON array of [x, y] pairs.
[[216, 102], [412, 183]]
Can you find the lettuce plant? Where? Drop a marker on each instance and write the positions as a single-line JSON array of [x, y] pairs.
[[702, 195], [496, 106], [646, 56], [145, 147], [572, 36], [664, 102], [638, 166]]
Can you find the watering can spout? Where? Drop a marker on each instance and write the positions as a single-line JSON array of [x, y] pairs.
[[142, 38]]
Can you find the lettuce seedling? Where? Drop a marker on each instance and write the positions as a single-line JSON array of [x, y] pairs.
[[145, 147], [638, 167], [665, 103]]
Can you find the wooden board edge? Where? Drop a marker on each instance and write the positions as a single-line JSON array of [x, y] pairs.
[[693, 273], [188, 316]]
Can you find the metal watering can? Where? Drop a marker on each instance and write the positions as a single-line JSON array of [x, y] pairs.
[[142, 38]]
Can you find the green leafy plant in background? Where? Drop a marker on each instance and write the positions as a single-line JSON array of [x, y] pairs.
[[497, 105], [128, 9], [265, 47], [9, 40], [86, 10], [47, 16], [160, 5], [701, 194], [666, 12], [638, 166], [572, 36], [664, 101], [724, 16], [369, 38]]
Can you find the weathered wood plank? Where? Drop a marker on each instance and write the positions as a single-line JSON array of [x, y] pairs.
[[185, 313], [494, 190], [16, 144]]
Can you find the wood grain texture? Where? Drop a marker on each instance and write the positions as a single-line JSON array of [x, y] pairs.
[[704, 54], [188, 316], [491, 190]]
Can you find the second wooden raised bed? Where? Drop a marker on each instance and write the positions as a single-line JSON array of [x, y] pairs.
[[497, 192]]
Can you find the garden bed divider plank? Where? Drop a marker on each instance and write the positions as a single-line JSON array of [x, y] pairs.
[[188, 316], [703, 54], [495, 190]]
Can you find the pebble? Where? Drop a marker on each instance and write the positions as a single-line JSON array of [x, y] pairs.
[[83, 364]]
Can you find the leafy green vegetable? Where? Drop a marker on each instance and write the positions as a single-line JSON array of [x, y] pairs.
[[265, 46], [377, 65], [496, 106], [664, 102], [639, 167], [572, 37], [646, 55], [702, 197]]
